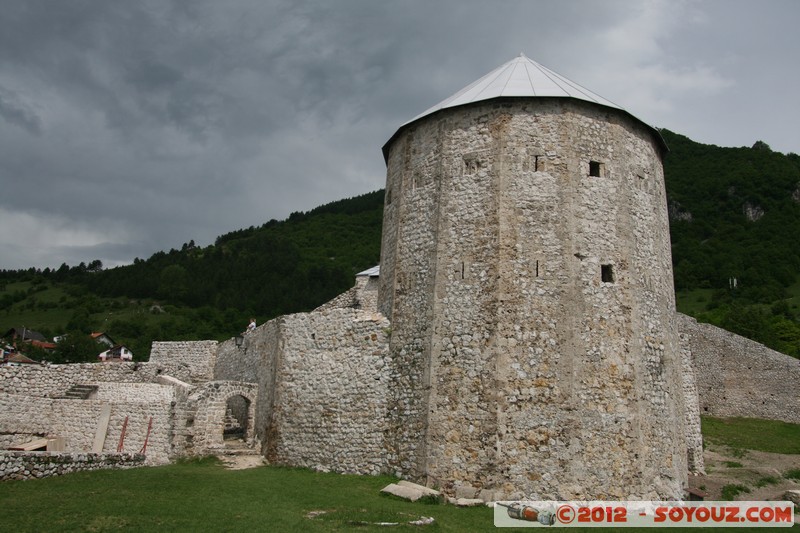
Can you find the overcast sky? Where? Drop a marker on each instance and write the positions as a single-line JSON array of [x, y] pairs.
[[129, 127]]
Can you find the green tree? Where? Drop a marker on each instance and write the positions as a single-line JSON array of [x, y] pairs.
[[173, 283], [749, 321], [80, 321], [77, 347]]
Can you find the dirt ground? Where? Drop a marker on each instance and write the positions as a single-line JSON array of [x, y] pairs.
[[726, 466], [240, 462]]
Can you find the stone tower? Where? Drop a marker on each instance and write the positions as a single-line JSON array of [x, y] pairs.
[[526, 270]]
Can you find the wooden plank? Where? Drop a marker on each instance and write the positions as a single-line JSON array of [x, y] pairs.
[[30, 446], [102, 427], [56, 444]]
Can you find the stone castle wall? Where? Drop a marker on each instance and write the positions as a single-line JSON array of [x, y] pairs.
[[691, 413], [28, 465], [363, 295], [190, 361], [532, 304], [133, 393], [322, 394], [238, 364], [329, 398], [54, 380], [23, 417], [201, 412], [737, 377]]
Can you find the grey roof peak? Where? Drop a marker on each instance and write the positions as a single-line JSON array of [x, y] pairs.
[[520, 77]]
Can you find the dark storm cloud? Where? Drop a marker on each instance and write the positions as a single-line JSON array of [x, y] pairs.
[[141, 125], [18, 113]]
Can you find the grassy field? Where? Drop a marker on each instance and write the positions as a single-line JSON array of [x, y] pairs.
[[202, 495], [693, 302], [752, 434], [49, 308], [696, 301]]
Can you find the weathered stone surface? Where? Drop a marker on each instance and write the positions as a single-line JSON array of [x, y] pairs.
[[426, 491], [792, 496], [76, 420], [533, 350], [740, 377], [526, 272], [465, 492], [403, 491], [322, 390], [466, 502], [34, 465]]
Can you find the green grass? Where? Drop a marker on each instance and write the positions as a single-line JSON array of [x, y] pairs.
[[201, 495], [729, 492], [693, 302], [752, 434], [792, 474], [733, 464], [204, 496], [767, 480]]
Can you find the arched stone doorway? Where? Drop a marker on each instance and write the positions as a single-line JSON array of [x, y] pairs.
[[237, 419], [224, 416]]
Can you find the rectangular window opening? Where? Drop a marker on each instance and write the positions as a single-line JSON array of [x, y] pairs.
[[596, 169], [607, 273], [537, 268]]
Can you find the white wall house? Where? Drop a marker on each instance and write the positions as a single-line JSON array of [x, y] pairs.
[[117, 353]]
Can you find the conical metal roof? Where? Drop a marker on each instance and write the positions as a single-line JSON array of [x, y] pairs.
[[520, 77]]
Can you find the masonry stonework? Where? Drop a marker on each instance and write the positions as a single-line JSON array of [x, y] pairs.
[[323, 395], [519, 342], [22, 465], [23, 417], [532, 304], [737, 377], [188, 360]]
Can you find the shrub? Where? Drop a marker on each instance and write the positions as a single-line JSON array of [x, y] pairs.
[[792, 474], [767, 480], [729, 492]]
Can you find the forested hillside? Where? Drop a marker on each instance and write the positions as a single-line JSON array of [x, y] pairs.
[[734, 215], [734, 223], [734, 212], [278, 268], [203, 292]]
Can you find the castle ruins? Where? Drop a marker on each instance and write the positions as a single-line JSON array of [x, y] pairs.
[[519, 340]]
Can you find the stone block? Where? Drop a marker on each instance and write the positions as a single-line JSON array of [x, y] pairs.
[[792, 496], [409, 493], [487, 495], [466, 502], [466, 492], [426, 491]]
